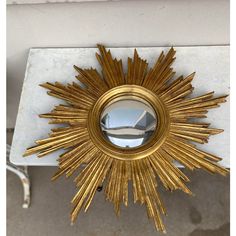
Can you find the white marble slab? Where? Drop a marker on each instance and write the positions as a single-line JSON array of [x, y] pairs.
[[211, 64]]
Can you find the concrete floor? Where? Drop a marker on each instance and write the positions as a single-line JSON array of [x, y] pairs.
[[206, 214]]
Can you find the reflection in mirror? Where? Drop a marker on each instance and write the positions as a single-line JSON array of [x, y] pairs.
[[128, 123]]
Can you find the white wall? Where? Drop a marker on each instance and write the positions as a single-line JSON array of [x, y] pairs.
[[51, 1], [125, 23]]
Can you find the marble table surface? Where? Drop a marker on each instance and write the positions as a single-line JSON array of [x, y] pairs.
[[211, 64]]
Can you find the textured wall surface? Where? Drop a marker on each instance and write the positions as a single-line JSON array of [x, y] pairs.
[[125, 23]]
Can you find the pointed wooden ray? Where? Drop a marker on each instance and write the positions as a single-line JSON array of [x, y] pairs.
[[112, 69], [137, 69], [88, 181], [161, 72], [92, 80]]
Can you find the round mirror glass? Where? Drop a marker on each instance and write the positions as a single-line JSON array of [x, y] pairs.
[[128, 123]]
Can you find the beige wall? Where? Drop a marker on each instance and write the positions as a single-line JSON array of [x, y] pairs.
[[125, 23]]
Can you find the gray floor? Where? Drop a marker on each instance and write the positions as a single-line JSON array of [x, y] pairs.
[[206, 214]]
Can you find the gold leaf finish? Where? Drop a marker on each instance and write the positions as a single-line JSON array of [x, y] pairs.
[[172, 141]]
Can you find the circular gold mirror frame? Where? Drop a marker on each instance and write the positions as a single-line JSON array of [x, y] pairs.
[[136, 92]]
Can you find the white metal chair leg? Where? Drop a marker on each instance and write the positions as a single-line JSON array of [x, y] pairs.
[[24, 177]]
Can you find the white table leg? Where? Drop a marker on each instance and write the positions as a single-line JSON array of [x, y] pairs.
[[24, 177]]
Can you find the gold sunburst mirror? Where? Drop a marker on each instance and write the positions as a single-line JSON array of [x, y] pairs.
[[132, 126]]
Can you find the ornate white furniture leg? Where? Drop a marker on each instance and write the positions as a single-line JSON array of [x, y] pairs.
[[24, 177]]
